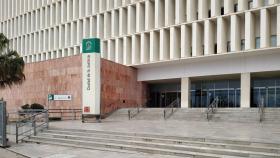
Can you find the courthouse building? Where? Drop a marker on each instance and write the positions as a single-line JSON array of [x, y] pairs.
[[195, 50]]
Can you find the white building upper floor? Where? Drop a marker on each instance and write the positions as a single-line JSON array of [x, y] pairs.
[[136, 32]]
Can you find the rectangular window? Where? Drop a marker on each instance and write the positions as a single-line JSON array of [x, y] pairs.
[[235, 7], [266, 2], [243, 44], [250, 4], [222, 11], [228, 46], [273, 40], [258, 42]]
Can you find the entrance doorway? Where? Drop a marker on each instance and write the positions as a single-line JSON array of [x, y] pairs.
[[163, 94]]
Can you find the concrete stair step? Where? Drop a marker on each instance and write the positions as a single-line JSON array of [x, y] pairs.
[[110, 147], [151, 146], [128, 140], [157, 136]]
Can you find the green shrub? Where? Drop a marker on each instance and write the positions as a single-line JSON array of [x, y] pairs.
[[36, 106]]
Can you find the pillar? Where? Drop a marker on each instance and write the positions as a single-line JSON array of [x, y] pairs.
[[265, 28], [235, 33], [221, 36], [278, 26], [191, 10], [229, 6], [215, 7], [196, 39], [209, 37], [245, 101], [185, 92], [202, 9], [242, 5], [250, 30], [257, 3]]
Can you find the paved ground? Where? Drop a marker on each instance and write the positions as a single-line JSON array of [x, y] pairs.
[[4, 153]]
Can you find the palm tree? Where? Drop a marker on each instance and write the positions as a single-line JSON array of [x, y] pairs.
[[11, 65]]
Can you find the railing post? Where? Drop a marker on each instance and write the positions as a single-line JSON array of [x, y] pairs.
[[16, 133], [128, 114], [47, 119], [34, 125]]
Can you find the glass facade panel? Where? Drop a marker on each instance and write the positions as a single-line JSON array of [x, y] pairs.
[[258, 42], [273, 40], [203, 93], [267, 90]]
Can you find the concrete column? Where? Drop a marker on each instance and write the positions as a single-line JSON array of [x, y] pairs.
[[221, 36], [265, 28], [186, 41], [174, 43], [257, 3], [250, 30], [202, 9], [245, 94], [191, 10], [209, 37], [242, 5], [229, 6], [149, 15], [185, 92], [119, 51], [196, 39], [136, 49], [215, 7], [180, 10], [278, 26], [145, 48], [235, 33], [127, 51], [154, 46]]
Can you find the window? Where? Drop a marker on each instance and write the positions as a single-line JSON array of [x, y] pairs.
[[243, 44], [273, 40], [209, 13], [258, 42], [266, 2], [215, 49], [235, 7], [228, 46], [222, 11], [250, 4]]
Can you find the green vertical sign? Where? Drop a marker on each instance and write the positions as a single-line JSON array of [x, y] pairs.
[[91, 45]]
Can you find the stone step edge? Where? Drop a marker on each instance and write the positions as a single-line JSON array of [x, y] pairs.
[[190, 154], [205, 150], [247, 142], [179, 143]]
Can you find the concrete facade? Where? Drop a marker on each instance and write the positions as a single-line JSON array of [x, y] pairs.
[[163, 39]]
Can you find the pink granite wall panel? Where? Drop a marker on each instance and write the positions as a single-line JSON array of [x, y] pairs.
[[63, 76]]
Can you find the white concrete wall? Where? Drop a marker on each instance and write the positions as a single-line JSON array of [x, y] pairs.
[[42, 30]]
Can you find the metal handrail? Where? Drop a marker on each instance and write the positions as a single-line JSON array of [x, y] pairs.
[[133, 113], [261, 110], [35, 125], [211, 109], [171, 107]]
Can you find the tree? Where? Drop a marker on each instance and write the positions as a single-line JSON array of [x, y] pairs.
[[11, 65]]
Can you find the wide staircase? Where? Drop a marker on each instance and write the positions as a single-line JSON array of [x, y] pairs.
[[239, 115], [156, 144]]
